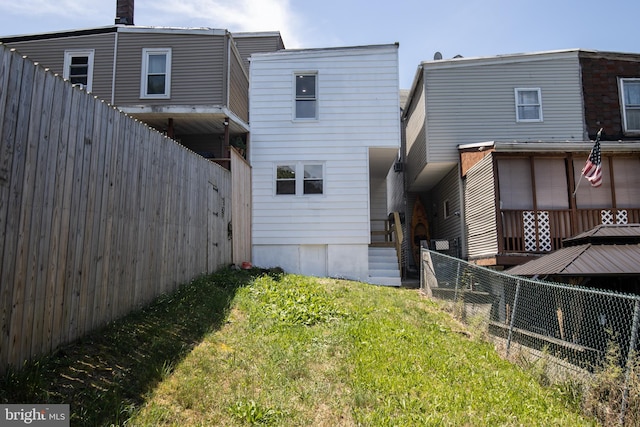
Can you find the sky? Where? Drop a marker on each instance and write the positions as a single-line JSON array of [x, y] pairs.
[[469, 28]]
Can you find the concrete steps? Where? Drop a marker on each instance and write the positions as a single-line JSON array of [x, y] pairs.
[[383, 266]]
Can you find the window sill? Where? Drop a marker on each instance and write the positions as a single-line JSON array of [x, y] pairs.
[[155, 97]]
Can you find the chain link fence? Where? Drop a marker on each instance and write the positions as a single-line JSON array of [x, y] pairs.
[[577, 330]]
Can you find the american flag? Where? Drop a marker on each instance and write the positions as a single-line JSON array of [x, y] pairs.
[[593, 169]]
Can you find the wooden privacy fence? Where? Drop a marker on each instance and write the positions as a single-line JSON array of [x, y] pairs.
[[99, 213], [241, 204]]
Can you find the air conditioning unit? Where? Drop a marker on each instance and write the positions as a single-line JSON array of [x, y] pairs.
[[398, 167]]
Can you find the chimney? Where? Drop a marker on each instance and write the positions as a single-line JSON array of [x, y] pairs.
[[124, 12]]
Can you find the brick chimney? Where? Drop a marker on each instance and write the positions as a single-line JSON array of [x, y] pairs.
[[124, 12]]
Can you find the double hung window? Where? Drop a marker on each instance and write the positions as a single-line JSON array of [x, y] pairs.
[[286, 179], [78, 68], [306, 100], [528, 105], [156, 73], [630, 97], [300, 178]]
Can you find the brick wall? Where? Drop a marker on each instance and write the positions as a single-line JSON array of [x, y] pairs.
[[600, 73]]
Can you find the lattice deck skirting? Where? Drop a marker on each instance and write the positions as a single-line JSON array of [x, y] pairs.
[[608, 217], [543, 241]]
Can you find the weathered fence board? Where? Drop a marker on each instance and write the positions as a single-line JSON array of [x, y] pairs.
[[99, 213], [241, 205]]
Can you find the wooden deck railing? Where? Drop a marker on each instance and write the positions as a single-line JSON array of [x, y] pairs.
[[544, 230], [392, 234], [383, 231]]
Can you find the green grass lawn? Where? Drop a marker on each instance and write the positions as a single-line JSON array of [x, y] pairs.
[[301, 351], [234, 349]]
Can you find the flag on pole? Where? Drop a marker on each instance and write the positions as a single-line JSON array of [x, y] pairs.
[[593, 168]]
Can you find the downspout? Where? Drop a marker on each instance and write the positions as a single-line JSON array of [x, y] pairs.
[[228, 88], [462, 244], [113, 73], [228, 70]]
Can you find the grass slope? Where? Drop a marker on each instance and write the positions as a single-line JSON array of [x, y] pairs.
[[283, 350], [302, 351]]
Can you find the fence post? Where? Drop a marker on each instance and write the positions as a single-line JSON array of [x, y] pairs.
[[630, 356], [513, 316], [455, 295], [423, 270]]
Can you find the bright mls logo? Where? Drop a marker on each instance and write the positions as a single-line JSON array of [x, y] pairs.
[[37, 415]]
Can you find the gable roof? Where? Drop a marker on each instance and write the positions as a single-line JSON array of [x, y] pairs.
[[610, 233], [606, 250]]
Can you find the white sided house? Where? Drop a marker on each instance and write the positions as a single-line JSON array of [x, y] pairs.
[[325, 132]]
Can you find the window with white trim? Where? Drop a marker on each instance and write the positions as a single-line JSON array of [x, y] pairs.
[[312, 179], [306, 99], [630, 97], [78, 68], [156, 73], [286, 179], [528, 105], [299, 178]]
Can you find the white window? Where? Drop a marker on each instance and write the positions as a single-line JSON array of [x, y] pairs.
[[299, 178], [156, 73], [306, 99], [312, 179], [78, 68], [286, 179], [630, 95], [528, 105]]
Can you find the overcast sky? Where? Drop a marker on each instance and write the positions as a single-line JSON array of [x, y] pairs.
[[453, 27]]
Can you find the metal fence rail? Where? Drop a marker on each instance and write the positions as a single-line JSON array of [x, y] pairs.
[[575, 326]]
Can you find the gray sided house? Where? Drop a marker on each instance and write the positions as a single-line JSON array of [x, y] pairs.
[[191, 83], [460, 105]]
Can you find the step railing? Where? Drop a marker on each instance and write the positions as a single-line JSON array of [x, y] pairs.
[[398, 238], [391, 232]]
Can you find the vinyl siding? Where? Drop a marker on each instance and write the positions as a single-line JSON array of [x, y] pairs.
[[197, 68], [257, 44], [416, 135], [50, 54], [447, 189], [359, 108], [480, 199], [238, 87], [475, 102]]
